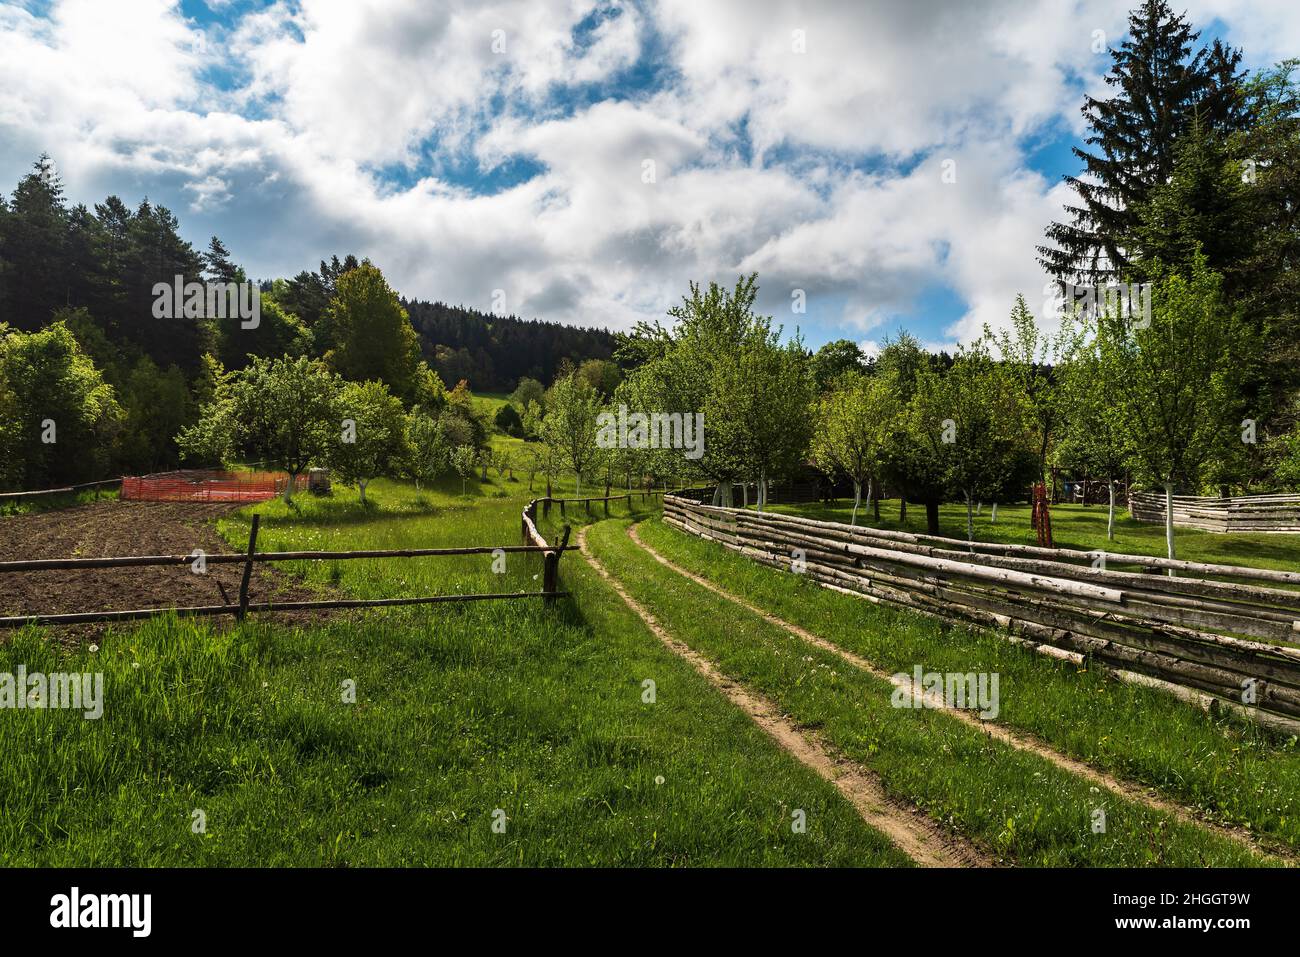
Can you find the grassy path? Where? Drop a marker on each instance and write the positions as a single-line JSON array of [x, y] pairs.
[[1022, 807], [1227, 771], [911, 831], [1022, 741]]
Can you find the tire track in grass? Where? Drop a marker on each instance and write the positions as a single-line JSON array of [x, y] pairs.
[[920, 837], [1016, 739]]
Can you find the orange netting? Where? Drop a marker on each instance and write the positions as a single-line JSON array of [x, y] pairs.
[[207, 486]]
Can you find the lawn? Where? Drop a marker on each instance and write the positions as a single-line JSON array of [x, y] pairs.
[[1230, 770], [1027, 810], [464, 716]]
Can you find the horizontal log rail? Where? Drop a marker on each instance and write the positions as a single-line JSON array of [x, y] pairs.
[[533, 543], [1232, 644], [18, 621], [547, 501], [1261, 514], [221, 558], [63, 490]]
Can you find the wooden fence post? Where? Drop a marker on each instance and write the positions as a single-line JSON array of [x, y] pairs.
[[551, 569], [248, 570]]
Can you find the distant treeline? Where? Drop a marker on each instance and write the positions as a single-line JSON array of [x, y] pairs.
[[494, 352]]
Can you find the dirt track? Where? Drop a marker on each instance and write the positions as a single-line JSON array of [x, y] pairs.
[[1016, 739], [111, 528], [918, 836]]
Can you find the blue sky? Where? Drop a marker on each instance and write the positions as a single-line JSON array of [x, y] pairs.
[[587, 159]]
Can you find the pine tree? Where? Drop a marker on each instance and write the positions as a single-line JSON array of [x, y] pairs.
[[1159, 87], [33, 246]]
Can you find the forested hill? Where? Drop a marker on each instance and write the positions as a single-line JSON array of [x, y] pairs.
[[493, 352]]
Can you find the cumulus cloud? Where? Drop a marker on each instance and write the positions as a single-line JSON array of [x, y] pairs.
[[664, 142]]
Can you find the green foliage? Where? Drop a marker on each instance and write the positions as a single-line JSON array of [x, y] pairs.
[[836, 359], [970, 421], [463, 459], [1160, 88], [854, 422], [57, 414], [602, 375], [722, 359], [528, 390], [374, 445], [570, 424], [371, 334], [157, 407], [508, 421], [1027, 356], [283, 411], [758, 413], [428, 455]]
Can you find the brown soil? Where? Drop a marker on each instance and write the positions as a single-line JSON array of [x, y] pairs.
[[115, 528], [918, 836], [1021, 740]]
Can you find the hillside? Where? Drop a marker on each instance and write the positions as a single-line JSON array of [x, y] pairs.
[[493, 352]]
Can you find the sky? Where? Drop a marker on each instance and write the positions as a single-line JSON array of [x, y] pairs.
[[881, 165]]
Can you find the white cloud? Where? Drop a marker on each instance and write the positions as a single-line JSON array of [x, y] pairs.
[[840, 195]]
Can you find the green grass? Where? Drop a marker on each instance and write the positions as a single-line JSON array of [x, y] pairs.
[[1229, 769], [49, 503], [1075, 526], [460, 710], [1018, 804]]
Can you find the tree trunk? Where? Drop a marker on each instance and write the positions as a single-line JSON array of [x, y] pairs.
[[875, 504], [762, 489], [1169, 521], [857, 500], [744, 495], [970, 519], [993, 514], [361, 484], [1110, 514], [726, 490], [288, 488], [902, 510], [932, 516]]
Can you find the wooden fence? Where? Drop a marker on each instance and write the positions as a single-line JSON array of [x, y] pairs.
[[1224, 630], [533, 543], [1267, 514], [64, 490], [547, 501]]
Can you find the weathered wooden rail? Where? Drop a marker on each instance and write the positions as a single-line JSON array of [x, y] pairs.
[[1222, 635], [533, 543], [1259, 514], [63, 490], [547, 501]]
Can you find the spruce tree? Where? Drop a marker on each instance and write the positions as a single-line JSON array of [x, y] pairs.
[[1160, 85]]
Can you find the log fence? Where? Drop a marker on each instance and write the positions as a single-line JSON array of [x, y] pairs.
[[1225, 636], [1257, 514]]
